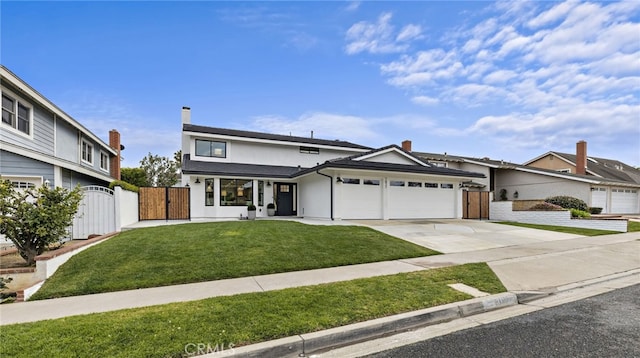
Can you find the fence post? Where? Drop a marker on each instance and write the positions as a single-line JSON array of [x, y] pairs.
[[117, 196]]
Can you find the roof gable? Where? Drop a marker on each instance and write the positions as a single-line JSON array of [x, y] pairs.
[[390, 154]]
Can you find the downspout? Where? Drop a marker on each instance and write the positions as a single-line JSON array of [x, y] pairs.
[[331, 183]]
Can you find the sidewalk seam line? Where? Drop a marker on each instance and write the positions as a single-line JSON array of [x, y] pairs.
[[258, 283]]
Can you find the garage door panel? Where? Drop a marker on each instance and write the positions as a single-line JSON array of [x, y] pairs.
[[420, 203], [624, 201], [361, 201]]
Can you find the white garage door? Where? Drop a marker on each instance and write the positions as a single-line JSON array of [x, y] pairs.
[[599, 199], [418, 200], [624, 201], [361, 198]]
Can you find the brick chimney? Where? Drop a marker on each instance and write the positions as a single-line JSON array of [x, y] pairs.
[[114, 142], [581, 157], [186, 115], [406, 145]]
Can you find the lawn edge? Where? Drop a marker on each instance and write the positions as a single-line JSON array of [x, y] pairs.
[[305, 344]]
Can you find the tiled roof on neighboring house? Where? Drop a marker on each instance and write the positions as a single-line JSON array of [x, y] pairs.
[[607, 168], [269, 136]]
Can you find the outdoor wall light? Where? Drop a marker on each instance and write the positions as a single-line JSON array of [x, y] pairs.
[[268, 183], [47, 183], [338, 180], [197, 180]]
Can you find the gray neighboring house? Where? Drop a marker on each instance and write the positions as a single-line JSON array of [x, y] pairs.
[[40, 144]]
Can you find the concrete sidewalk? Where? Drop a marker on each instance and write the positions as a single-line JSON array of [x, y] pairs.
[[535, 266]]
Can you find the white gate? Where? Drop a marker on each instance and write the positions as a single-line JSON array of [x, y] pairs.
[[96, 214]]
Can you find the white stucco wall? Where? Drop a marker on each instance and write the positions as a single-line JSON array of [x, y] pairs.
[[286, 154], [314, 193], [532, 186]]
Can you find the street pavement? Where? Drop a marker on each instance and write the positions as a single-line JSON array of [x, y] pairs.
[[606, 325]]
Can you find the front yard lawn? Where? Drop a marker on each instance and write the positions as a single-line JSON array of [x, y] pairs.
[[175, 329], [177, 254], [566, 229]]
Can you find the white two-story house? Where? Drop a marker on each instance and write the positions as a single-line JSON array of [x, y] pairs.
[[40, 144], [229, 169]]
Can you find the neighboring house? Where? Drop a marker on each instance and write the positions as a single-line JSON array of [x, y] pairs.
[[229, 169], [42, 145], [613, 185], [608, 184]]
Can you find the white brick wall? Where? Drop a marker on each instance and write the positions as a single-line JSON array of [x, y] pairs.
[[502, 211]]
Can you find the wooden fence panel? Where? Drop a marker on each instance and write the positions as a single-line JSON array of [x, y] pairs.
[[179, 208], [152, 204], [164, 204], [475, 204]]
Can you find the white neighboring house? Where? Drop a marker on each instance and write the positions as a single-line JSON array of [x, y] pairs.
[[308, 177]]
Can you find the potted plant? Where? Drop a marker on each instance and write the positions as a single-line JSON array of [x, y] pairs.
[[271, 209], [252, 211]]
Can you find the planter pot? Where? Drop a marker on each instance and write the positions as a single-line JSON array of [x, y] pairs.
[[271, 212], [252, 215]]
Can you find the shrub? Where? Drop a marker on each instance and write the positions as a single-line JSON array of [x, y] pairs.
[[546, 207], [271, 206], [575, 213], [124, 185], [595, 211], [503, 194], [567, 202], [251, 207]]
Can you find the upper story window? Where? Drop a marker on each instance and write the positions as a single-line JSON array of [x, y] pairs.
[[439, 164], [104, 161], [87, 152], [16, 114], [209, 148], [309, 150]]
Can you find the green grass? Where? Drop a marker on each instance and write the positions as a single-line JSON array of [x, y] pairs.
[[178, 254], [564, 229], [164, 331], [633, 226]]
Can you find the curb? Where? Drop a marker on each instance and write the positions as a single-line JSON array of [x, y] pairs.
[[305, 344]]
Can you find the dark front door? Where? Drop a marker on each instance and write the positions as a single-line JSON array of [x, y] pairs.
[[285, 199]]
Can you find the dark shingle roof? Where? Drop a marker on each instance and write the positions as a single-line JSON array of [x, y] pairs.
[[607, 168], [269, 136], [235, 169]]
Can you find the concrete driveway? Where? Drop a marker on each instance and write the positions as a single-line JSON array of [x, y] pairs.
[[455, 235]]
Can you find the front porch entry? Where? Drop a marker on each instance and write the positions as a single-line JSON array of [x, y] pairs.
[[286, 199]]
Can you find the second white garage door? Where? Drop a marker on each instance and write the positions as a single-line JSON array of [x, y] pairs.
[[418, 200], [624, 201]]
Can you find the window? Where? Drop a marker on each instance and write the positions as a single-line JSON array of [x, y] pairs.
[[564, 170], [260, 193], [309, 150], [439, 164], [104, 161], [207, 148], [371, 182], [396, 183], [236, 192], [87, 152], [446, 186], [208, 192], [15, 114], [23, 185], [430, 185], [350, 181], [414, 184]]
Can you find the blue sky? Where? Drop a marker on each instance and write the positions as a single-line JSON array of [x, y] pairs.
[[507, 80]]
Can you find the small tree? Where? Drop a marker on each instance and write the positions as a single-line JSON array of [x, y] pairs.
[[161, 171], [135, 176], [35, 218]]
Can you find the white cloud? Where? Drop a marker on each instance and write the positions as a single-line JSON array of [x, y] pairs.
[[409, 32], [425, 100], [353, 6], [379, 37]]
